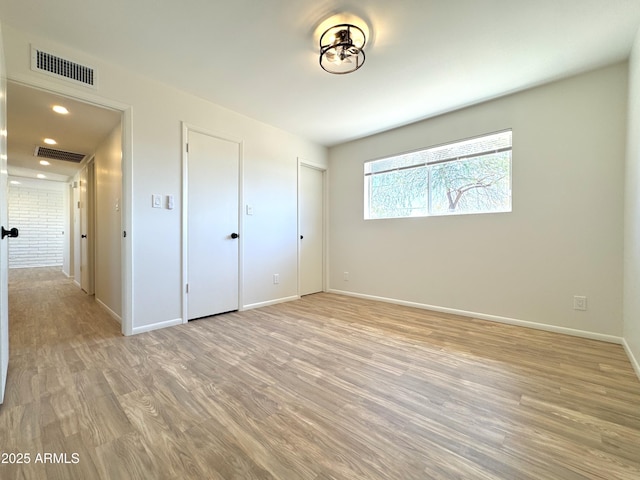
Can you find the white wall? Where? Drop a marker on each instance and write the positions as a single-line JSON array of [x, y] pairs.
[[108, 173], [563, 238], [270, 166], [37, 209], [632, 215]]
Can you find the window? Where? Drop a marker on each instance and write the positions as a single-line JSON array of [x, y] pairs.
[[469, 176]]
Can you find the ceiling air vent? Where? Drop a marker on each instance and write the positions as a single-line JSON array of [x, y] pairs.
[[62, 68], [52, 153]]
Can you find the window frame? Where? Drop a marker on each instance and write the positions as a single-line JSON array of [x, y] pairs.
[[368, 174]]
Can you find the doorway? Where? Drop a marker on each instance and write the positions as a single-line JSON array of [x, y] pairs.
[[90, 156], [212, 213]]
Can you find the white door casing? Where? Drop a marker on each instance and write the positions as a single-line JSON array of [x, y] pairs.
[[212, 218], [311, 229], [4, 256]]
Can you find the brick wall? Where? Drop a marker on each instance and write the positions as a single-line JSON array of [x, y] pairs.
[[39, 215]]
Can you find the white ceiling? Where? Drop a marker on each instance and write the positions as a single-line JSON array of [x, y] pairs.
[[259, 57]]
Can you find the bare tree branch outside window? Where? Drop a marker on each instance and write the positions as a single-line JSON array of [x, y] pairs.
[[471, 176]]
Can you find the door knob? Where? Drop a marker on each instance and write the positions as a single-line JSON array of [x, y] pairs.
[[234, 235], [13, 233], [83, 236], [301, 237]]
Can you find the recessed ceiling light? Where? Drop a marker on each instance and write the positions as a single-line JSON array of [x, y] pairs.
[[44, 162], [14, 182], [50, 141], [60, 109], [40, 175]]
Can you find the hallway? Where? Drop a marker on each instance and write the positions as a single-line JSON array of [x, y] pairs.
[[59, 340]]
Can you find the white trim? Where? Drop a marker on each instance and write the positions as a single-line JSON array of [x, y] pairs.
[[240, 223], [492, 318], [39, 266], [271, 302], [115, 316], [69, 90], [185, 231], [157, 326], [186, 128], [307, 163], [635, 362]]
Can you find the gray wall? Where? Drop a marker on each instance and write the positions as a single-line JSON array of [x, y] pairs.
[[563, 238]]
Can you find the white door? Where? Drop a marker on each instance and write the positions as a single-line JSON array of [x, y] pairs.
[[4, 257], [311, 221], [213, 165], [86, 228]]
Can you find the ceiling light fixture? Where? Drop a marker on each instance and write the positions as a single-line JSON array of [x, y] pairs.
[[50, 141], [40, 175], [342, 49], [60, 109], [44, 162]]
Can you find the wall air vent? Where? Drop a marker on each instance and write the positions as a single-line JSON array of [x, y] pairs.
[[52, 153], [62, 68]]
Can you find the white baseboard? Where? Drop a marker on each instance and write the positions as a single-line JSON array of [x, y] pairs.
[[492, 318], [635, 362], [111, 312], [157, 326], [18, 267], [270, 302]]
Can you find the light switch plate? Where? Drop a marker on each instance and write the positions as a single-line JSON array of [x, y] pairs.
[[156, 201], [170, 202]]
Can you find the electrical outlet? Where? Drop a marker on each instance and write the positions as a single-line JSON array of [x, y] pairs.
[[276, 278], [345, 276], [579, 302]]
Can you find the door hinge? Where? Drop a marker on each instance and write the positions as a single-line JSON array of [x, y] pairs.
[[187, 289], [187, 148]]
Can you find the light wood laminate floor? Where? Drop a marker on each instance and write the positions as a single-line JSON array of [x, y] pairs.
[[328, 387]]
